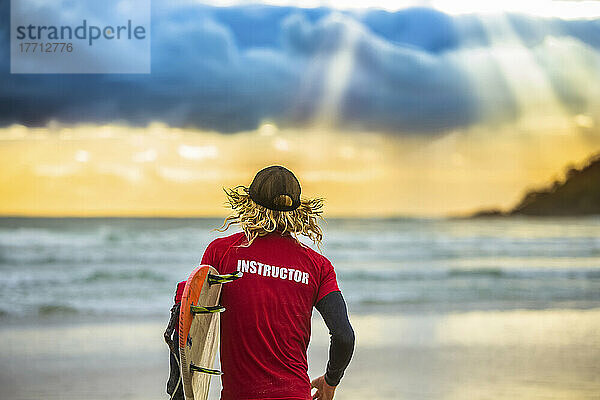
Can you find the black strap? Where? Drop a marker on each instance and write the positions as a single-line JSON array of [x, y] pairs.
[[171, 327], [174, 385]]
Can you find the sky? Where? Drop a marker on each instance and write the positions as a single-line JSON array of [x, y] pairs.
[[411, 108]]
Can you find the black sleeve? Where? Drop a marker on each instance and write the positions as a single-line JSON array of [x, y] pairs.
[[332, 308]]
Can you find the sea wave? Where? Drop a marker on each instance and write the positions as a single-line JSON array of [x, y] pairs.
[[103, 244], [131, 275], [474, 273], [30, 284], [56, 309], [345, 241], [62, 267]]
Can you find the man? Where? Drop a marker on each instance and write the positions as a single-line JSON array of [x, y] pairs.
[[266, 329]]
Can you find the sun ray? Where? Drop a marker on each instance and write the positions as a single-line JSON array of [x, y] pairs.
[[537, 103], [338, 69]]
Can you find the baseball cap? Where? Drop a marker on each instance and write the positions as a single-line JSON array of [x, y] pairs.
[[276, 188]]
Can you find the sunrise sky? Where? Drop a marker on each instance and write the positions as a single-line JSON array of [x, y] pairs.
[[405, 110]]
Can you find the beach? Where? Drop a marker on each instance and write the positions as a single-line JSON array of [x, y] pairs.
[[474, 355], [442, 309]]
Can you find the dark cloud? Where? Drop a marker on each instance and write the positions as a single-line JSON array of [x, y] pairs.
[[229, 69]]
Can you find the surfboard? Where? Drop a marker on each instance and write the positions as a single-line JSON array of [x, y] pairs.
[[199, 329]]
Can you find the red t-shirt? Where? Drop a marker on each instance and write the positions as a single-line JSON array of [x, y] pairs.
[[265, 329]]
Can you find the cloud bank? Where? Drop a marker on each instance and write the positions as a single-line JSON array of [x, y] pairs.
[[231, 69]]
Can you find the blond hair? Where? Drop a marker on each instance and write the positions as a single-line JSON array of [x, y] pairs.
[[256, 220]]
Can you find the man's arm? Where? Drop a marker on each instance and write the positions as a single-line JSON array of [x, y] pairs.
[[333, 309]]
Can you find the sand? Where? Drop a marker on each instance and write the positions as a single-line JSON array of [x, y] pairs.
[[528, 354]]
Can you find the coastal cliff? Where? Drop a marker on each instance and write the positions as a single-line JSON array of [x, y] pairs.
[[577, 194]]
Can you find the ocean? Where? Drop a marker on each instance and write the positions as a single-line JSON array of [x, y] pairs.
[[446, 309], [58, 267]]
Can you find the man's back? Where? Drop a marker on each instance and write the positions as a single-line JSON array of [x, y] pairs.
[[266, 329]]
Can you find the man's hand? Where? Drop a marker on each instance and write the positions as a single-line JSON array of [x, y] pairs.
[[324, 391]]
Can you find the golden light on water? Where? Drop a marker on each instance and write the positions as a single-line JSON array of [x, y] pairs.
[[525, 354], [488, 329]]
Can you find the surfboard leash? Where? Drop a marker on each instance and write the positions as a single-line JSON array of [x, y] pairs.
[[178, 380]]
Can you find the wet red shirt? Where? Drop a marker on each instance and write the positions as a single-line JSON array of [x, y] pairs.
[[265, 329]]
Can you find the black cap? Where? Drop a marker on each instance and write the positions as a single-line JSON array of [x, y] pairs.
[[276, 188]]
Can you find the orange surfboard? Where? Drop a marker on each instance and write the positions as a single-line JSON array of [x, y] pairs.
[[199, 329]]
